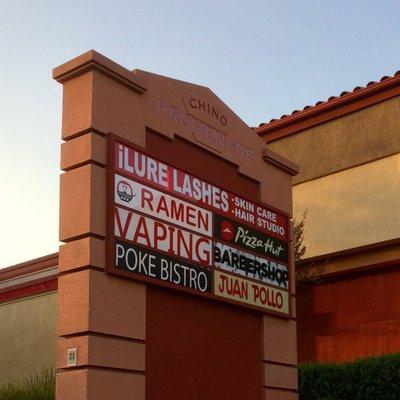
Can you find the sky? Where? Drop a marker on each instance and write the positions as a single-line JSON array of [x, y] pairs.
[[263, 58]]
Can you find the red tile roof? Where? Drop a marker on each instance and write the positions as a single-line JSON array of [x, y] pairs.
[[333, 107]]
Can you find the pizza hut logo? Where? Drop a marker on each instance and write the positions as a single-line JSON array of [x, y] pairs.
[[227, 231], [125, 192]]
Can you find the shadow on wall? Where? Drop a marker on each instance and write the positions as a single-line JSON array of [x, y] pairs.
[[349, 316]]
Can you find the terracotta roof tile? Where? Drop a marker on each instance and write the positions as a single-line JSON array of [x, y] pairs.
[[330, 99]]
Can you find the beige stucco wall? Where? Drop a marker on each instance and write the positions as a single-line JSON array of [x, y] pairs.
[[27, 336], [357, 138], [351, 208]]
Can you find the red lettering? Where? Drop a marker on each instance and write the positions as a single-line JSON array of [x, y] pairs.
[[240, 290], [245, 290], [204, 256], [236, 289], [162, 206], [139, 234], [190, 216], [279, 300], [187, 246], [264, 296], [171, 239], [256, 293], [203, 220], [123, 231], [177, 210], [160, 233], [147, 197], [267, 296], [221, 286]]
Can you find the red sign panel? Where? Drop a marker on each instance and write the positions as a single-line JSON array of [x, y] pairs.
[[138, 165], [154, 234], [170, 228], [157, 204]]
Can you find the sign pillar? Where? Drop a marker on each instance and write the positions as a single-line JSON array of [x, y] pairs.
[[102, 317], [176, 272]]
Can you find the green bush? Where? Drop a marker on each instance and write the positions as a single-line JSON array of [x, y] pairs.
[[36, 387], [373, 378]]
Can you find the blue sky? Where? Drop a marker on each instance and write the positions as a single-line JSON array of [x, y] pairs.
[[263, 58]]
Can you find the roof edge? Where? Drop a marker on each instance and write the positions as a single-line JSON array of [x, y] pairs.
[[335, 107], [27, 267], [358, 259]]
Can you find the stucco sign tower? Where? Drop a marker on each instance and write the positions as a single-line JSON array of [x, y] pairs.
[[176, 272]]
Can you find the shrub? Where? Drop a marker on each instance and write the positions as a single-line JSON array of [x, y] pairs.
[[36, 387], [373, 378]]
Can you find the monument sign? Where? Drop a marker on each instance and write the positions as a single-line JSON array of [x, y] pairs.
[[176, 268]]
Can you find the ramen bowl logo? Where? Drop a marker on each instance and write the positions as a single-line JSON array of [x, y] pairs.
[[227, 231], [125, 192]]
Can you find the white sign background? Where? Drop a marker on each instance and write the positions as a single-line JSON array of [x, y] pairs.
[[136, 196]]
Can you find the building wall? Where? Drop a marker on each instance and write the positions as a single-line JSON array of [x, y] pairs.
[[349, 175], [354, 139], [351, 208], [349, 184], [351, 316], [27, 336]]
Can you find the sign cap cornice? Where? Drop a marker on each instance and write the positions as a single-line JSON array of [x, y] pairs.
[[92, 60], [280, 162]]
